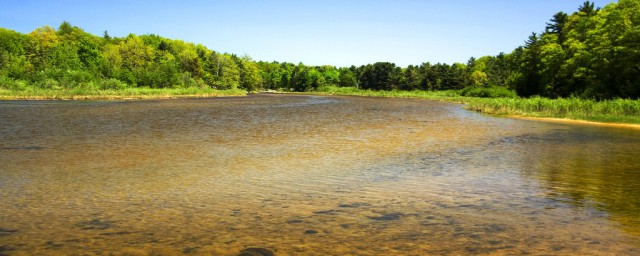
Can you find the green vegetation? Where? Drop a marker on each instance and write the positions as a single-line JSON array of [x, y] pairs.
[[126, 93], [70, 60], [585, 60], [450, 95], [488, 92], [592, 53], [616, 111]]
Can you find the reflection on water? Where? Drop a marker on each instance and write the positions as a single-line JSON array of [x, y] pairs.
[[313, 175]]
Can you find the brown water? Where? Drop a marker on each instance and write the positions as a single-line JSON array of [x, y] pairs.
[[309, 175]]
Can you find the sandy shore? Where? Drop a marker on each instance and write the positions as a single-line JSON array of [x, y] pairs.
[[582, 122]]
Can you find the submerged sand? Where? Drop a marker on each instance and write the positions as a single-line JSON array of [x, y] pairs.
[[582, 122]]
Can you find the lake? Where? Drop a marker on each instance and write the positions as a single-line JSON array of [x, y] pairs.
[[310, 175]]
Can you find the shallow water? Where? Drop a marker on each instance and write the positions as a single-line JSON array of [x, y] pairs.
[[309, 175]]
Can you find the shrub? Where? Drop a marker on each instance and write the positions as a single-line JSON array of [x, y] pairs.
[[111, 84], [488, 92], [75, 78], [49, 83], [185, 81], [12, 84]]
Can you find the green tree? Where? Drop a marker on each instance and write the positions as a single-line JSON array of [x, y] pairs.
[[130, 60], [330, 75], [250, 79], [479, 79], [347, 78], [91, 57], [135, 54], [587, 9], [113, 60], [190, 62], [64, 55], [270, 74], [298, 80], [529, 82], [225, 71], [380, 76], [615, 51], [13, 47], [44, 39], [314, 79], [411, 79], [106, 35], [552, 57], [556, 26], [287, 70], [456, 76]]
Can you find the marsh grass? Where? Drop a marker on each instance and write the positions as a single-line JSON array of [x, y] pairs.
[[488, 92], [79, 93], [450, 95], [617, 111]]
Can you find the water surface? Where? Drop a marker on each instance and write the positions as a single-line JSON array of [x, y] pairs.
[[309, 175]]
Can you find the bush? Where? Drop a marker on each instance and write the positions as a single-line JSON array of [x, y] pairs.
[[48, 73], [111, 84], [48, 83], [488, 92], [186, 81], [11, 84], [75, 78], [87, 86], [55, 78]]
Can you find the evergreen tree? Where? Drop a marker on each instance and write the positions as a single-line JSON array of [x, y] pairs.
[[556, 26]]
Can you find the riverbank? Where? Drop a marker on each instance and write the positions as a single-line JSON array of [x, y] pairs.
[[128, 93], [619, 112]]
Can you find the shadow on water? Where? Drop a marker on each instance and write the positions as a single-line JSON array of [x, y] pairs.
[[589, 167]]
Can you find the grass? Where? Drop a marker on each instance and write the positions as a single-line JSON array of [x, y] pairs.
[[488, 92], [607, 111], [33, 93], [505, 103], [450, 95]]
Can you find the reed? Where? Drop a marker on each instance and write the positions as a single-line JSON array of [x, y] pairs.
[[617, 110], [450, 95]]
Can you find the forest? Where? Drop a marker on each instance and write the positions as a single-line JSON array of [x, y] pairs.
[[592, 53]]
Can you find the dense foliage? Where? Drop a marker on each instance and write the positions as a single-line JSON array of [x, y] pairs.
[[592, 53]]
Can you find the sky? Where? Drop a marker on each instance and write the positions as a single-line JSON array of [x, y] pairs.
[[328, 32]]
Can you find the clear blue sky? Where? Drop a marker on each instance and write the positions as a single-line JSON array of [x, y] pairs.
[[315, 32]]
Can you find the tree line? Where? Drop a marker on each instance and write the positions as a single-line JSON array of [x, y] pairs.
[[591, 53]]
